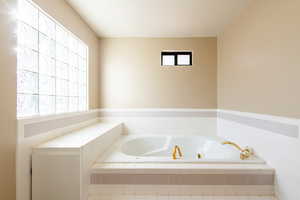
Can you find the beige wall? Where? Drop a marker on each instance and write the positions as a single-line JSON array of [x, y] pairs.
[[259, 60], [131, 75], [8, 100], [63, 13]]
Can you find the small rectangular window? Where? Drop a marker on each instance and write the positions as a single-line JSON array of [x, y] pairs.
[[176, 58]]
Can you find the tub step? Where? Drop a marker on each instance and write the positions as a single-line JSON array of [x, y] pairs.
[[167, 191], [183, 174], [154, 197]]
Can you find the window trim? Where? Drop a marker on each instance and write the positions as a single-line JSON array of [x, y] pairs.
[[61, 25], [176, 54]]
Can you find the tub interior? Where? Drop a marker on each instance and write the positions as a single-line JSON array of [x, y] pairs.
[[160, 149], [145, 146]]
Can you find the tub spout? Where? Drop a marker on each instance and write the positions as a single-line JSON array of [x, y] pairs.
[[244, 153], [176, 150]]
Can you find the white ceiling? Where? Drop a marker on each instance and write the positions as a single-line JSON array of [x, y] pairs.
[[158, 18]]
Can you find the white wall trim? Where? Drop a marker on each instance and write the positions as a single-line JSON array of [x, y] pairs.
[[279, 125], [262, 116], [282, 125], [158, 112]]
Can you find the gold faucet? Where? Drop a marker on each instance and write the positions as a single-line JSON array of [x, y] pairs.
[[244, 153], [176, 150]]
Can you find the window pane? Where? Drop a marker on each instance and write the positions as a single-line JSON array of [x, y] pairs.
[[82, 64], [73, 60], [27, 105], [168, 60], [46, 26], [62, 36], [62, 104], [27, 36], [73, 105], [46, 85], [82, 103], [62, 70], [82, 78], [27, 82], [27, 59], [28, 13], [82, 50], [47, 65], [46, 104], [82, 90], [183, 59], [73, 44], [62, 87], [74, 89], [73, 74], [62, 53], [46, 45]]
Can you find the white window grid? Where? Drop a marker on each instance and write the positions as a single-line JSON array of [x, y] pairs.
[[68, 77]]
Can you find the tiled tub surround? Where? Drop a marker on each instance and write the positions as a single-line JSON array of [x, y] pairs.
[[278, 144]]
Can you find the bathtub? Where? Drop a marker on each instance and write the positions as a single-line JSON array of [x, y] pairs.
[[154, 148]]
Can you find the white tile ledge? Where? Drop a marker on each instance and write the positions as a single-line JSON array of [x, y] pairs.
[[41, 118], [81, 137]]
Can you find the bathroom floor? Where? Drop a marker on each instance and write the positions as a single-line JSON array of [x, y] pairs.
[[171, 197]]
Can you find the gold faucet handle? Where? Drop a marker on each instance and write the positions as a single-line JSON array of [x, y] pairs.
[[179, 151], [174, 153], [199, 155], [175, 150]]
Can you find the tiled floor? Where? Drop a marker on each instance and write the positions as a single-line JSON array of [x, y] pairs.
[[170, 197]]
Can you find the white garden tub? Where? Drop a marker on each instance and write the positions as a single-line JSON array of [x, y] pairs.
[[160, 149]]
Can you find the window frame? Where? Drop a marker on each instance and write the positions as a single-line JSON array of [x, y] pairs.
[[84, 58], [176, 54]]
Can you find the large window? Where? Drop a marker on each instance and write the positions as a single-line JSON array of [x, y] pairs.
[[52, 65]]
